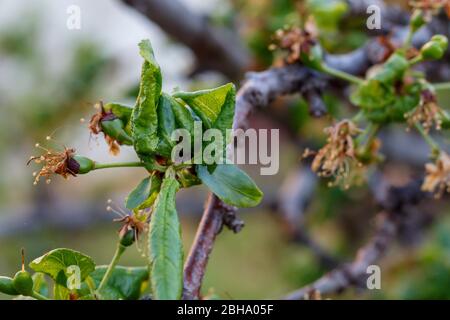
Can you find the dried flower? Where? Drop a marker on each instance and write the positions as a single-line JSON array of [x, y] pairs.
[[134, 222], [437, 178], [337, 158], [296, 41], [61, 163], [428, 113]]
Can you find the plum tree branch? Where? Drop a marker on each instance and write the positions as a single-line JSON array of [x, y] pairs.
[[216, 50]]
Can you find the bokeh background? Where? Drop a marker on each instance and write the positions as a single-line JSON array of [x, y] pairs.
[[51, 76]]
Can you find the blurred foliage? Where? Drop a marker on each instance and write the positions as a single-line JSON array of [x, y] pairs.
[[47, 99]]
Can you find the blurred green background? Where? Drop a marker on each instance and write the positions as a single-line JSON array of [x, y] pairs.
[[51, 76]]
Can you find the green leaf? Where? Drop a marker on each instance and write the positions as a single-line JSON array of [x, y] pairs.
[[60, 292], [327, 13], [215, 107], [125, 283], [166, 125], [183, 115], [144, 119], [56, 262], [120, 111], [40, 284], [123, 113], [232, 185], [392, 70], [166, 251], [145, 193]]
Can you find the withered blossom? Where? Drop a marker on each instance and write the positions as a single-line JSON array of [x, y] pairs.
[[427, 113], [96, 128], [296, 41], [60, 163], [134, 223], [437, 178], [337, 158]]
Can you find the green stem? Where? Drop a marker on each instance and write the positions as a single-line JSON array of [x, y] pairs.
[[367, 136], [416, 60], [119, 251], [441, 86], [117, 165], [342, 75], [38, 296], [408, 41], [358, 117], [433, 145]]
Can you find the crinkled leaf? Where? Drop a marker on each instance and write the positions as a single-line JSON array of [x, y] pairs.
[[215, 107], [166, 125], [166, 251], [144, 120], [56, 262], [231, 185], [183, 115], [373, 94], [125, 283]]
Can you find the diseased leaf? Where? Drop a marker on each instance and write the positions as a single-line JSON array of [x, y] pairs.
[[215, 107], [232, 185], [144, 119], [144, 194], [166, 125], [166, 251], [56, 262], [125, 283], [183, 115]]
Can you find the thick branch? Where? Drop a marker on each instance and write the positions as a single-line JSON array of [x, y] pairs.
[[209, 227]]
